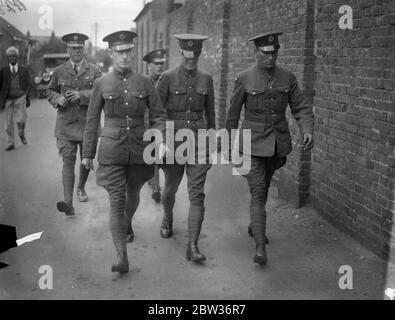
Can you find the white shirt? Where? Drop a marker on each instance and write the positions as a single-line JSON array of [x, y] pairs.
[[15, 67]]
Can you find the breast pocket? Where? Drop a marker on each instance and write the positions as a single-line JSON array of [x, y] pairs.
[[64, 85], [110, 101], [177, 98], [87, 82], [140, 101], [281, 95], [255, 99], [201, 94]]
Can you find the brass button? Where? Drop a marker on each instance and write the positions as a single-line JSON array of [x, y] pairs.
[[141, 95], [127, 103], [190, 99], [110, 97], [126, 91], [188, 121], [176, 91], [124, 80]]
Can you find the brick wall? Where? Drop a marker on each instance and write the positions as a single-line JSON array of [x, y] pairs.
[[353, 162], [347, 75]]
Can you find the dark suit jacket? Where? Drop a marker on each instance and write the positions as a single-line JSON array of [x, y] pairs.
[[5, 81]]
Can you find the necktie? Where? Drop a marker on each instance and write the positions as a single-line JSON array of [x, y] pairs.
[[75, 69], [13, 70]]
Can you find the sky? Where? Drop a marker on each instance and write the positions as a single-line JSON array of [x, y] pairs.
[[77, 16]]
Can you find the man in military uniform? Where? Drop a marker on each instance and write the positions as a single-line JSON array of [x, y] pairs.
[[124, 96], [265, 90], [156, 65], [188, 95], [69, 93]]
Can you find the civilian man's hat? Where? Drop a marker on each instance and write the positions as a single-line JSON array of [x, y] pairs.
[[267, 42], [75, 40], [157, 56], [191, 44], [120, 40]]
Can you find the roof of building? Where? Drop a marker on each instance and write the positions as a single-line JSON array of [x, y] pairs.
[[142, 12], [6, 27]]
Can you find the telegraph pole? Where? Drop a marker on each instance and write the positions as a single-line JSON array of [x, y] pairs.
[[96, 27]]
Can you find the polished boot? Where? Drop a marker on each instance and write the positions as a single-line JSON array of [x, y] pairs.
[[156, 196], [82, 196], [166, 229], [65, 207], [83, 177], [21, 131], [10, 147], [252, 235], [129, 232], [193, 253], [260, 255], [122, 264], [195, 220]]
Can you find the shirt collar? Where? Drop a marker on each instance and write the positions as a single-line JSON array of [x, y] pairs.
[[79, 64], [15, 67]]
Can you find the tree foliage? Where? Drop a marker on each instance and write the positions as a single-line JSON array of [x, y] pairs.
[[11, 6]]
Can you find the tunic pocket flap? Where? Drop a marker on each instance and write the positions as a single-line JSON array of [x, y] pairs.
[[140, 94], [111, 132], [282, 89], [111, 96], [64, 82], [202, 91], [177, 90], [254, 92]]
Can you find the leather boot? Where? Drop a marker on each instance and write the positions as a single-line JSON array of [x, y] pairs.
[[156, 196], [260, 254], [121, 265], [195, 220], [21, 132], [129, 233], [194, 254], [258, 228], [166, 229]]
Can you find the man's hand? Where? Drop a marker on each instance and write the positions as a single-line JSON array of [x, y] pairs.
[[163, 149], [307, 141], [62, 101], [72, 96], [88, 164]]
